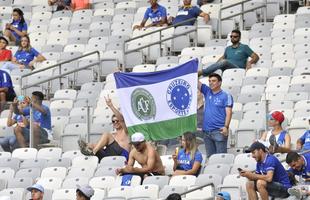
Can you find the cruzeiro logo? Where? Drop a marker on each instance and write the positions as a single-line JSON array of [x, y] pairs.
[[179, 96], [143, 104]]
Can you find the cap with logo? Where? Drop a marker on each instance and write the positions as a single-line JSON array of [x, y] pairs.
[[36, 187], [86, 190], [137, 138]]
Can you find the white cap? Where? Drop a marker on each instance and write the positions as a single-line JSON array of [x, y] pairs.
[[86, 190], [137, 137]]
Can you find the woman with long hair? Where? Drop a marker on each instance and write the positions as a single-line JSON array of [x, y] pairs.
[[187, 160], [17, 28], [25, 57]]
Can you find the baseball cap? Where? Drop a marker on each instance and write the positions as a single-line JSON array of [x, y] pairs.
[[6, 40], [276, 115], [86, 190], [36, 187], [137, 137], [254, 146], [223, 195]]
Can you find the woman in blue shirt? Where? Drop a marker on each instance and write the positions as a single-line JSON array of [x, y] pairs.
[[17, 28], [187, 161], [25, 57]]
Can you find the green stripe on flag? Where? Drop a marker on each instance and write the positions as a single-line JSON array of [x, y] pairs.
[[166, 129]]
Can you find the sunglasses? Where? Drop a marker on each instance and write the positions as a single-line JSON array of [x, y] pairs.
[[115, 121], [234, 36], [137, 144]]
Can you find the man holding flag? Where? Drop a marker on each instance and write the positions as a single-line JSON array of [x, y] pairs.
[[217, 115]]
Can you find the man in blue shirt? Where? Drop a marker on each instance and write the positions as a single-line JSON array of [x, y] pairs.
[[269, 178], [217, 115], [6, 89], [300, 166], [156, 13], [235, 56], [303, 143], [41, 121], [186, 12]]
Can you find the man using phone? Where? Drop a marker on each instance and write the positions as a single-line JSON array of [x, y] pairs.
[[269, 178]]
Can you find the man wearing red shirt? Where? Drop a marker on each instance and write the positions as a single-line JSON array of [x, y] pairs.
[[5, 54]]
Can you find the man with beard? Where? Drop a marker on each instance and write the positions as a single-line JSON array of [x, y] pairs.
[[145, 154], [235, 56], [269, 178]]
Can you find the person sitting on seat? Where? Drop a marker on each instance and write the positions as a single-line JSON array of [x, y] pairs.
[[42, 129], [110, 144], [156, 13], [146, 155], [269, 178], [9, 143], [277, 139], [5, 54], [303, 143], [7, 92], [186, 12], [25, 57], [61, 4], [17, 28], [235, 56], [84, 192], [187, 161]]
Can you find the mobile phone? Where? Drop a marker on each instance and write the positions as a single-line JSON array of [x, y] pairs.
[[240, 170]]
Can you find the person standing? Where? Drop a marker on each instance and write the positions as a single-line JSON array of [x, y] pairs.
[[235, 56], [269, 178], [217, 115], [156, 13]]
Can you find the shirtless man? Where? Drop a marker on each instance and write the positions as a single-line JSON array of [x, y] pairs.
[[110, 144], [145, 154]]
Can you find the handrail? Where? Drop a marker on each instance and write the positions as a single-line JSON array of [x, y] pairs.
[[59, 65], [219, 28], [160, 39], [59, 76], [196, 188]]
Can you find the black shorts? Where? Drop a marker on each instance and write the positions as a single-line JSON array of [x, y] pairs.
[[275, 189]]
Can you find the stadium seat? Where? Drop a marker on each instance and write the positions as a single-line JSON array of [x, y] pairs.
[[123, 191], [20, 182], [102, 182], [71, 183], [148, 190], [182, 180], [85, 161], [161, 181], [33, 173], [64, 194], [25, 153], [33, 163], [51, 183]]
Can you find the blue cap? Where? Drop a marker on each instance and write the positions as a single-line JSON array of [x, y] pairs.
[[36, 187], [223, 195]]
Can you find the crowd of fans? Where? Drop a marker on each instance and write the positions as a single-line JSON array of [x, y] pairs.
[[270, 178]]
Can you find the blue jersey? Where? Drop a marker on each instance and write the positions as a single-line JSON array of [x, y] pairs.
[[6, 82], [20, 26], [157, 15], [38, 117], [305, 139], [305, 171], [271, 163], [25, 57], [19, 120], [238, 56], [186, 13], [186, 162], [215, 108]]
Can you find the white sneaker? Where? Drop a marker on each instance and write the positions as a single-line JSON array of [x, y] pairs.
[[295, 192]]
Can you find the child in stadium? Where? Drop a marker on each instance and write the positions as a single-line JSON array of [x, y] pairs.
[[5, 54], [25, 57], [187, 161], [17, 28]]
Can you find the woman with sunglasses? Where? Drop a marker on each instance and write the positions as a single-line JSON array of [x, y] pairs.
[[25, 57], [116, 144], [276, 139], [17, 28], [187, 161]]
